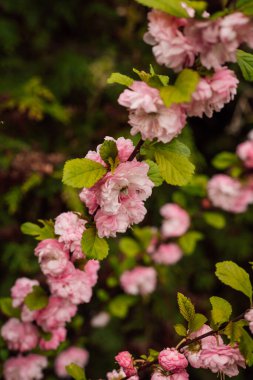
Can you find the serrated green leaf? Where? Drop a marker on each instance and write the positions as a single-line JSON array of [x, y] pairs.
[[93, 246], [186, 307], [246, 347], [154, 173], [224, 160], [245, 62], [82, 172], [245, 6], [119, 306], [40, 233], [108, 150], [189, 241], [175, 169], [120, 79], [180, 329], [129, 246], [221, 310], [234, 276], [215, 219], [174, 7], [197, 322], [234, 331], [7, 308], [75, 371], [37, 299], [175, 146]]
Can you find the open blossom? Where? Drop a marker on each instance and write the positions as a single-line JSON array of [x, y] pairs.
[[148, 114], [181, 375], [249, 317], [125, 360], [25, 367], [22, 287], [52, 256], [57, 336], [176, 220], [140, 280], [245, 152], [91, 269], [76, 355], [19, 336], [171, 360], [228, 193], [167, 254]]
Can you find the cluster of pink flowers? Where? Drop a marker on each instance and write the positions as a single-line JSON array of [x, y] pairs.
[[118, 198], [76, 355], [177, 42], [25, 367], [211, 353], [140, 280]]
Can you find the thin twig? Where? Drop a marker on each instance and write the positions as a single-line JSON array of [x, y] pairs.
[[136, 150]]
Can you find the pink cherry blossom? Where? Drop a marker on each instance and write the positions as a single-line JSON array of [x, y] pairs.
[[249, 317], [57, 336], [52, 256], [158, 375], [177, 220], [245, 152], [74, 355], [140, 280], [171, 360], [22, 287], [125, 360], [19, 336], [228, 193], [167, 254], [91, 268], [25, 367]]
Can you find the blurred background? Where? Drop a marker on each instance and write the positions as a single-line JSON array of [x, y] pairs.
[[55, 104]]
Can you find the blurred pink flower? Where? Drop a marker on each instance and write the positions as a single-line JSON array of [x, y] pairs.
[[19, 336], [245, 152], [25, 367], [140, 280], [58, 335], [76, 355], [22, 287], [177, 220], [167, 254]]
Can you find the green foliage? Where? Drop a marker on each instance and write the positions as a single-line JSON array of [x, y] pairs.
[[234, 276], [221, 310], [214, 219], [180, 329], [152, 79], [224, 160], [174, 7], [186, 307], [37, 299], [245, 61], [93, 246], [245, 6], [154, 173], [7, 308], [246, 347], [108, 150], [129, 246], [82, 172], [40, 233], [234, 330], [144, 235], [76, 372], [119, 305], [189, 241], [181, 92], [197, 322], [120, 79]]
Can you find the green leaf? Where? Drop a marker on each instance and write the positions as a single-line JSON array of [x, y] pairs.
[[119, 306], [186, 83], [224, 160], [186, 307], [120, 79], [245, 61], [197, 322], [129, 246], [75, 371], [37, 299], [175, 169], [189, 241], [234, 330], [215, 219], [144, 235], [108, 150], [246, 347], [82, 172], [221, 310], [175, 146], [174, 7], [245, 6], [153, 355], [180, 329], [40, 233], [234, 276], [154, 173], [93, 246], [7, 308]]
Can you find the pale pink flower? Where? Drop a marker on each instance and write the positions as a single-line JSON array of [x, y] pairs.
[[249, 317], [25, 367], [245, 152], [91, 269], [167, 254], [149, 116], [158, 375], [76, 355], [19, 336], [116, 375], [100, 320], [140, 280], [109, 225], [22, 287], [177, 220], [171, 360], [125, 360], [57, 336], [73, 284], [28, 315], [228, 193], [52, 256], [56, 313]]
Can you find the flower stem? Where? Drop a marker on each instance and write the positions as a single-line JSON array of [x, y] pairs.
[[136, 150]]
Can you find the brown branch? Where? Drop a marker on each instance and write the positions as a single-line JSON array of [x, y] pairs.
[[136, 150]]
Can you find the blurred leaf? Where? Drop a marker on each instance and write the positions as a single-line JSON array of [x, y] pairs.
[[186, 307], [82, 172], [144, 235], [93, 246], [246, 347], [119, 306], [75, 371], [225, 160], [37, 299], [189, 241], [245, 6], [215, 219], [129, 246], [221, 310], [7, 308], [174, 7]]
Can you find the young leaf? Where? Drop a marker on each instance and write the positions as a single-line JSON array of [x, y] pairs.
[[221, 310], [37, 299], [174, 7], [234, 276], [82, 172], [197, 322], [175, 169], [76, 372], [245, 6], [40, 233], [108, 150], [245, 61], [215, 219], [7, 308], [120, 79], [154, 173], [224, 160], [186, 307], [180, 329], [129, 246], [93, 246], [189, 241]]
